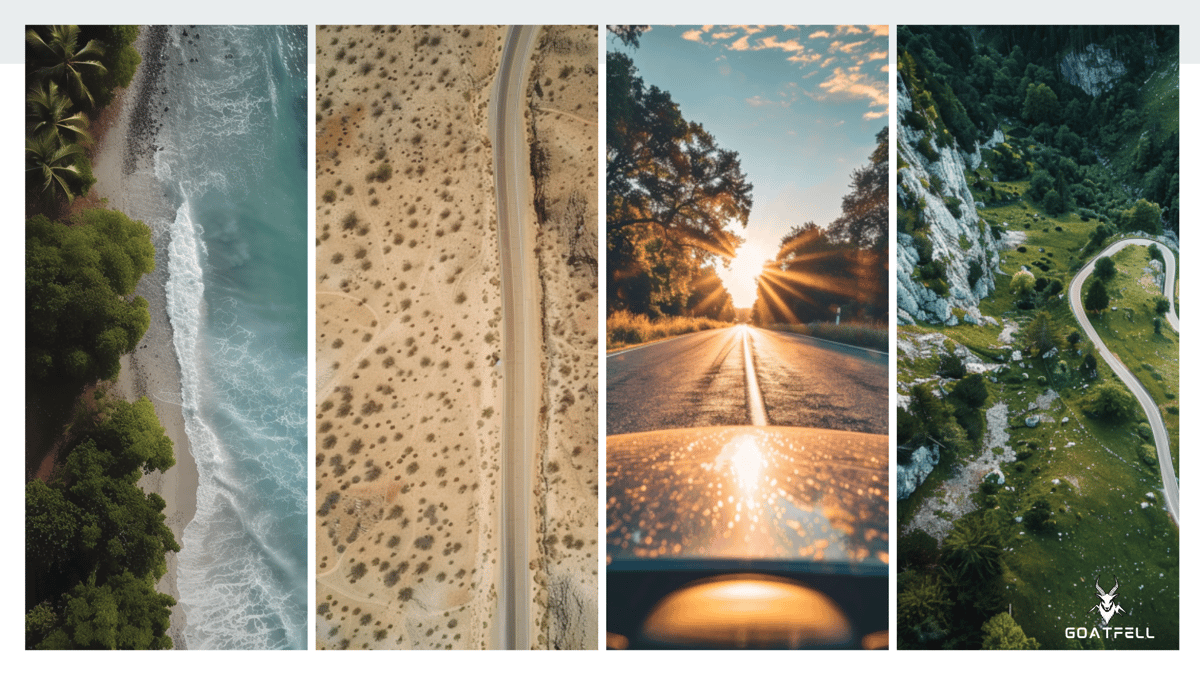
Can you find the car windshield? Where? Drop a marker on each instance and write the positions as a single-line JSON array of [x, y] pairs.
[[796, 494]]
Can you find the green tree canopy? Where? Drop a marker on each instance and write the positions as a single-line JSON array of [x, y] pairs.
[[972, 390], [1002, 632], [1022, 283], [922, 599], [672, 192], [1041, 104], [1144, 216], [974, 548], [58, 57], [120, 60], [49, 112], [864, 220], [1109, 401], [1039, 515], [1041, 335], [125, 613], [78, 279], [55, 169], [1106, 269], [1097, 297]]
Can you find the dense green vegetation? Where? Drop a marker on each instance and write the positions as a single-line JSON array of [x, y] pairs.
[[1113, 157], [95, 543], [70, 72], [79, 280], [1082, 495]]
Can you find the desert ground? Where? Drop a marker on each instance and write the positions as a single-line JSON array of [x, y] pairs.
[[409, 340]]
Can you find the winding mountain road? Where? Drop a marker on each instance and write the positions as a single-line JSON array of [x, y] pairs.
[[522, 346], [1161, 439]]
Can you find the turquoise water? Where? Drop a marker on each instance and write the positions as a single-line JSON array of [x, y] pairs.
[[231, 158]]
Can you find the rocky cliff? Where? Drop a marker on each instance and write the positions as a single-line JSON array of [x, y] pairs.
[[1094, 69], [956, 240]]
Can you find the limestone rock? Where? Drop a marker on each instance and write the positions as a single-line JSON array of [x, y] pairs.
[[911, 475], [956, 240], [1093, 70]]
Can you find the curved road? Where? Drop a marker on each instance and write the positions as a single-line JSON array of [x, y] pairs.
[[521, 349], [1161, 440], [702, 379]]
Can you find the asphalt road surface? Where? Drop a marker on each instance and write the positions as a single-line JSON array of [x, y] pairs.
[[1161, 440], [521, 348], [700, 380]]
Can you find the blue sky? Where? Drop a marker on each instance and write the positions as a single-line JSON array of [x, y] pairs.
[[800, 104]]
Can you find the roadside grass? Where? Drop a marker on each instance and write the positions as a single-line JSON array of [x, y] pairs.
[[1100, 529], [624, 329], [1127, 327], [873, 337]]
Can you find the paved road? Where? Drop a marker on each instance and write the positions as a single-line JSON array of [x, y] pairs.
[[521, 348], [1161, 439], [700, 379]]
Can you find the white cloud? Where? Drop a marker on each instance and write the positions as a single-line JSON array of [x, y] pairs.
[[851, 85]]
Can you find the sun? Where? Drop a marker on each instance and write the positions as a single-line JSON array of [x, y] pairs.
[[741, 277]]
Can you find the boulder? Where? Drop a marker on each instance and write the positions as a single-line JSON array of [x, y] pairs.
[[910, 476]]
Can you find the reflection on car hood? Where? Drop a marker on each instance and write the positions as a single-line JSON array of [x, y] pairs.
[[749, 493]]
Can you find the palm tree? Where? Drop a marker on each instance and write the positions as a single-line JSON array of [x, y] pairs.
[[48, 110], [62, 60], [50, 165]]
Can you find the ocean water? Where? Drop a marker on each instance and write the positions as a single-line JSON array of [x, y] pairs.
[[231, 159]]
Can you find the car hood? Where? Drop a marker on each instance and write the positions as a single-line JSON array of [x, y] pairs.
[[768, 496]]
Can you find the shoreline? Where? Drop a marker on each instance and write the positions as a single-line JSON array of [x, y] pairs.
[[124, 170]]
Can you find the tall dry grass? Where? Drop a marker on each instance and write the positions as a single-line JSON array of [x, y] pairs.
[[625, 328], [873, 337]]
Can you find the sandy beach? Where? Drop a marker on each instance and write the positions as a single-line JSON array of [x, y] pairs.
[[123, 165]]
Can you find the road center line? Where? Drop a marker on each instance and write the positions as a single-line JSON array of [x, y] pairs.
[[754, 399]]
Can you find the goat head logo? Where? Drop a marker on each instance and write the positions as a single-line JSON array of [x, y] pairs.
[[1108, 606]]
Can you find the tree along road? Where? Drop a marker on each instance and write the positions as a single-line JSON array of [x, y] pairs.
[[521, 349], [1161, 439], [702, 379]]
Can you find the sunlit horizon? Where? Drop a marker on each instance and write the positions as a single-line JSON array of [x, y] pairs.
[[799, 104], [741, 276]]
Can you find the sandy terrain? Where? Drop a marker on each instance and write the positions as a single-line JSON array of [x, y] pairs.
[[563, 100], [124, 176], [408, 314], [408, 349]]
